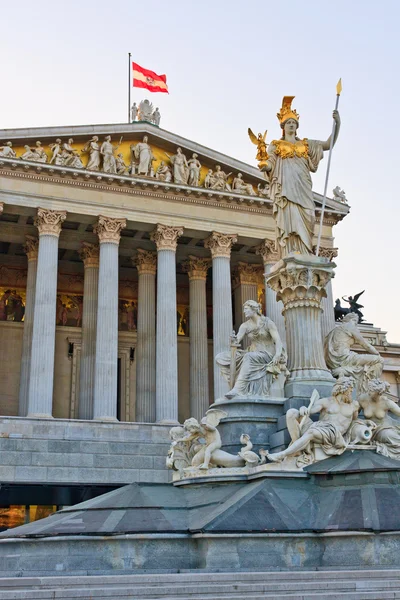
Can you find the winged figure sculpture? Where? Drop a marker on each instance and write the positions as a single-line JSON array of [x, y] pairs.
[[259, 141]]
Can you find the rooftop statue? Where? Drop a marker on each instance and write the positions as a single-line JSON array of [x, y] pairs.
[[336, 415], [252, 371], [217, 180], [142, 151], [7, 151], [107, 151], [354, 306], [194, 171], [134, 112], [339, 195], [180, 167], [156, 117], [290, 162], [93, 149], [260, 141], [145, 111], [240, 186], [343, 361], [69, 156], [36, 154], [163, 172]]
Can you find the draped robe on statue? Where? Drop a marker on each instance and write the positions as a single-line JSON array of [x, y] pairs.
[[291, 192]]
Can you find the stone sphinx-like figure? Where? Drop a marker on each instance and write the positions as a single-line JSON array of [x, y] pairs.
[[240, 186], [7, 151], [290, 162], [342, 361], [252, 371], [336, 415], [377, 405]]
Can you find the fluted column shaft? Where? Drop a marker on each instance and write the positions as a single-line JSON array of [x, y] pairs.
[[90, 256], [106, 363], [246, 277], [328, 312], [220, 246], [199, 391], [31, 249], [146, 263], [166, 239], [40, 395], [274, 307]]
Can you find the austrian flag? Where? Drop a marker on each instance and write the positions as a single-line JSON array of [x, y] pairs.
[[149, 80]]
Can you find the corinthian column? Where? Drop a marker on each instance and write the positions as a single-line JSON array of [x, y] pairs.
[[146, 263], [300, 283], [220, 245], [106, 363], [89, 253], [273, 306], [40, 395], [245, 287], [166, 240], [197, 269], [31, 249], [328, 312]]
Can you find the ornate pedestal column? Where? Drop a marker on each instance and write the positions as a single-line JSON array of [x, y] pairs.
[[274, 307], [199, 394], [31, 249], [300, 282], [220, 245], [90, 256], [327, 304], [245, 287], [40, 396], [146, 263], [166, 239], [106, 363]]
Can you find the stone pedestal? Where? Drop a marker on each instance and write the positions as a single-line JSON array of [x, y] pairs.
[[300, 282], [106, 364], [197, 269], [166, 240], [146, 263], [273, 307], [31, 249], [40, 396], [220, 245], [90, 256]]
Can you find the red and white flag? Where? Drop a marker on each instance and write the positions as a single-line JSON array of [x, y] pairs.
[[149, 80]]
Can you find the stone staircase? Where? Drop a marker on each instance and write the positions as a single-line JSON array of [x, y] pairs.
[[292, 585]]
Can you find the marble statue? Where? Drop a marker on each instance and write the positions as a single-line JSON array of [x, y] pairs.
[[238, 185], [180, 167], [93, 149], [142, 152], [354, 306], [120, 165], [194, 171], [252, 371], [290, 162], [260, 142], [29, 154], [56, 157], [339, 310], [377, 405], [7, 151], [36, 154], [342, 361], [339, 195], [219, 180], [263, 190], [41, 153], [251, 458], [208, 179], [163, 172], [107, 151], [336, 414], [181, 452], [156, 117], [70, 156], [145, 111], [134, 112]]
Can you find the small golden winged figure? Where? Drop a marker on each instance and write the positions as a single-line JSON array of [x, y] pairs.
[[259, 141]]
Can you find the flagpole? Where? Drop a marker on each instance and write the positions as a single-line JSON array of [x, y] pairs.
[[338, 91], [129, 86]]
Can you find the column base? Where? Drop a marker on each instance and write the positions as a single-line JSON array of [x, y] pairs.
[[39, 416]]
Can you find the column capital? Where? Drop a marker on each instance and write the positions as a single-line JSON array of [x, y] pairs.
[[196, 267], [145, 262], [326, 252], [49, 222], [267, 250], [31, 247], [220, 244], [89, 253], [247, 274], [109, 230], [166, 237]]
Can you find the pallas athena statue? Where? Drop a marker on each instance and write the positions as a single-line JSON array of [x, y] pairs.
[[252, 371], [288, 167]]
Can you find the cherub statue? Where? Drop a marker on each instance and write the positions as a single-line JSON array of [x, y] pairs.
[[339, 195], [210, 453], [336, 416], [260, 142], [180, 453]]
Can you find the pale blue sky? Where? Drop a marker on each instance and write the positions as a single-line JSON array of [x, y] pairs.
[[228, 64]]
